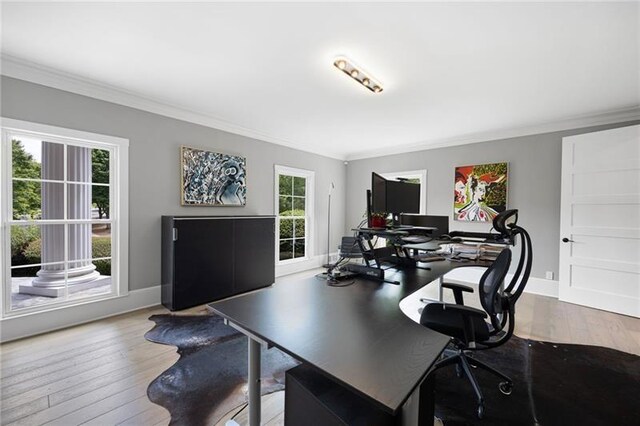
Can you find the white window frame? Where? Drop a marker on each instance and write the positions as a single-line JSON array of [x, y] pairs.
[[118, 206], [309, 233], [413, 174]]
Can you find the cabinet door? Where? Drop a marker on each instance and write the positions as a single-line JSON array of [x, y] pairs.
[[203, 261], [254, 253]]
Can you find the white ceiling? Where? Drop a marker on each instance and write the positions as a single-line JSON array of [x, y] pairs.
[[449, 70]]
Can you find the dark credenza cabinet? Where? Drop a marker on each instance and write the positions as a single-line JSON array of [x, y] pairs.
[[207, 258]]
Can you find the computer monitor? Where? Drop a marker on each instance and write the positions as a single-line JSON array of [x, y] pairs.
[[378, 194], [440, 222], [394, 197]]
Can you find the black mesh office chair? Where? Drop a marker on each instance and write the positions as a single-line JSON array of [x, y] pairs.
[[467, 325]]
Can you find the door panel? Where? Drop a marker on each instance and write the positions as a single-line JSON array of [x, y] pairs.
[[204, 261], [618, 283], [609, 249], [255, 251], [603, 183], [606, 215], [600, 220], [610, 149]]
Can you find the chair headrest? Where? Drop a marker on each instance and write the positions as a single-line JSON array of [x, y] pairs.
[[505, 221]]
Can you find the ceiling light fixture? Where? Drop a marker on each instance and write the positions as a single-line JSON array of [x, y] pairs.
[[356, 73]]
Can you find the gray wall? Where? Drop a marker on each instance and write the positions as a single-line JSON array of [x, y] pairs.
[[534, 184], [534, 175], [154, 179]]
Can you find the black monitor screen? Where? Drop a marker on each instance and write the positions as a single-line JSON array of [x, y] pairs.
[[440, 222], [378, 193], [394, 196], [403, 197]]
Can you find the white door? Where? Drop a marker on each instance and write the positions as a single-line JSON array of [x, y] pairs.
[[600, 220]]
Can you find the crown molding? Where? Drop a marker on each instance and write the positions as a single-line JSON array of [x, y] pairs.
[[577, 122], [35, 73], [39, 74]]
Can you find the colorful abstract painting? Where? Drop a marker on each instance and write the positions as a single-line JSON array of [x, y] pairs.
[[212, 179], [480, 192]]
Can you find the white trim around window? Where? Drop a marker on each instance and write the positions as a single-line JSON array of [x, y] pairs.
[[119, 206], [309, 210]]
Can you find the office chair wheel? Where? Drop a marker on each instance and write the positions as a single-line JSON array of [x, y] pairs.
[[506, 387], [480, 411]]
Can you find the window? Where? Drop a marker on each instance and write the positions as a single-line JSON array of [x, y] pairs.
[[294, 210], [64, 229]]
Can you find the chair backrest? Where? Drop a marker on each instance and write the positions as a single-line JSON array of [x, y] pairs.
[[494, 302], [521, 275], [349, 248], [489, 286], [506, 223]]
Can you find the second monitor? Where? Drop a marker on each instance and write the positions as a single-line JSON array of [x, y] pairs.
[[394, 197], [440, 222]]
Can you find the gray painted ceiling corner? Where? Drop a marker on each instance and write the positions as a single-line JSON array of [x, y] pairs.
[[454, 73]]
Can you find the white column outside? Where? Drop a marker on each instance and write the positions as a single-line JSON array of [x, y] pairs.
[[81, 273]]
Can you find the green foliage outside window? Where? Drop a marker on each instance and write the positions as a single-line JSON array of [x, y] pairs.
[[100, 247], [21, 237], [291, 212], [299, 186], [287, 225], [100, 174], [26, 195]]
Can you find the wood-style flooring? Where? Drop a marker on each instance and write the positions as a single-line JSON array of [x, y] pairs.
[[97, 373]]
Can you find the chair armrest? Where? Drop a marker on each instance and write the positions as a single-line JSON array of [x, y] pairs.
[[454, 286], [457, 291]]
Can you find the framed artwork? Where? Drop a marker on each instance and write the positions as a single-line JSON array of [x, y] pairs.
[[212, 179], [480, 192]]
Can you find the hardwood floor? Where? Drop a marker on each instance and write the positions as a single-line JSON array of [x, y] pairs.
[[98, 373]]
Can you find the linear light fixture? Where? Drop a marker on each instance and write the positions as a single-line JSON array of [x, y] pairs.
[[356, 73]]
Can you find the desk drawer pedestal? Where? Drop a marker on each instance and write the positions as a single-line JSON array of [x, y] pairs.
[[312, 399]]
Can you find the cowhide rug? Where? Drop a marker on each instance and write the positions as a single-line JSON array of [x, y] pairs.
[[210, 377], [554, 384]]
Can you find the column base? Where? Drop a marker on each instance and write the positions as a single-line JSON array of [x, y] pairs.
[[51, 282], [56, 277], [59, 291]]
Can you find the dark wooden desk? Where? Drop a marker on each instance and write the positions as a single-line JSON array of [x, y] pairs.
[[356, 335]]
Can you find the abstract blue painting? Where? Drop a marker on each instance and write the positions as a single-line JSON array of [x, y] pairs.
[[212, 179]]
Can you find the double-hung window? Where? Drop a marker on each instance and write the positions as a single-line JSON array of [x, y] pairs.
[[64, 224], [294, 210]]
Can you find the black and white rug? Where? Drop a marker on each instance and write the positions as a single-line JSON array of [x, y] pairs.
[[209, 379], [554, 384]]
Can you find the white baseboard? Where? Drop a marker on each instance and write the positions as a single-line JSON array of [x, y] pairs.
[[17, 327], [304, 265], [542, 287], [471, 275]]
